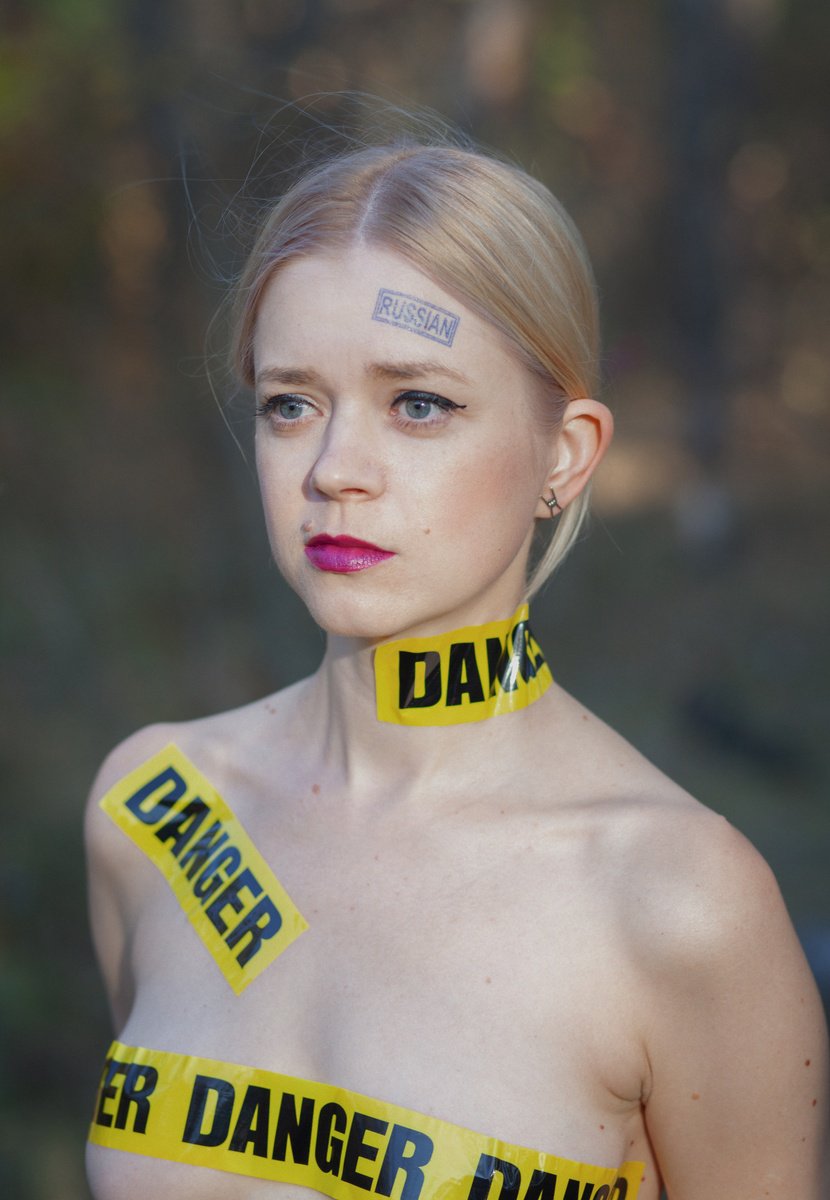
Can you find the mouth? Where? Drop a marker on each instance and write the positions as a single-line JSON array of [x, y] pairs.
[[343, 555]]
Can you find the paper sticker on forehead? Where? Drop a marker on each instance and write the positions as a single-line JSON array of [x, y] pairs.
[[416, 316]]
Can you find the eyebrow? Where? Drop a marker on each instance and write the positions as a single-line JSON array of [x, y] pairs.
[[411, 370], [301, 376], [289, 376]]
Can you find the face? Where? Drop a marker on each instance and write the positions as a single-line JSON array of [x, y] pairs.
[[398, 454]]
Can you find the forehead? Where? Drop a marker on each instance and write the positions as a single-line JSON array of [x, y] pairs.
[[367, 299]]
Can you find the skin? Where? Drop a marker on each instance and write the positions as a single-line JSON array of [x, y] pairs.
[[519, 925]]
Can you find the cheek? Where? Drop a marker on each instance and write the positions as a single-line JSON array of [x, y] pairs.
[[268, 491], [281, 469], [276, 491], [483, 503]]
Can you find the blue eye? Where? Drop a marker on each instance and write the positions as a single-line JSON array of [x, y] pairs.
[[424, 408], [290, 408], [418, 408], [285, 408]]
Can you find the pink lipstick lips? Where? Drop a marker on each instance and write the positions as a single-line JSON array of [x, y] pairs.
[[343, 555]]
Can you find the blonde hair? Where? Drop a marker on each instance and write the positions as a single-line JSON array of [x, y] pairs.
[[484, 230]]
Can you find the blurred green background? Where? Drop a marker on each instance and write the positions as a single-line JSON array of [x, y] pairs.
[[689, 140]]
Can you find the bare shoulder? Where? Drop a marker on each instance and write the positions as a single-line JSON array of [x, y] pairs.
[[722, 1000], [116, 874], [103, 841], [120, 877], [733, 1025], [683, 879], [696, 879], [213, 742], [124, 758], [129, 754], [116, 870]]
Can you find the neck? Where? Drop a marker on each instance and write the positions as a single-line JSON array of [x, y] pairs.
[[371, 736]]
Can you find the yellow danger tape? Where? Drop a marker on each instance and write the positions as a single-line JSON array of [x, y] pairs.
[[468, 674], [345, 1145], [231, 896]]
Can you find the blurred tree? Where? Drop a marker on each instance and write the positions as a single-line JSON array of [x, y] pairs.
[[137, 142]]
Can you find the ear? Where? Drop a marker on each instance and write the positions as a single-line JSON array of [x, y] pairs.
[[583, 437]]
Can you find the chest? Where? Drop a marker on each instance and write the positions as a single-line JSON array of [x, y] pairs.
[[470, 972], [479, 958]]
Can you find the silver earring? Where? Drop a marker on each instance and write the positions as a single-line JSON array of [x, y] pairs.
[[553, 503]]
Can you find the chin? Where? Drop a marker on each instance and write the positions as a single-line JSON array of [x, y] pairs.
[[344, 613], [371, 606], [348, 612], [383, 617]]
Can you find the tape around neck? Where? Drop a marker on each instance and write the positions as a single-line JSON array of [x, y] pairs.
[[467, 674]]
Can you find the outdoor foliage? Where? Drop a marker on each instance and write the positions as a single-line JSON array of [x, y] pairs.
[[137, 142]]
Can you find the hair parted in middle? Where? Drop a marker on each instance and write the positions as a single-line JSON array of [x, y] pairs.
[[484, 230]]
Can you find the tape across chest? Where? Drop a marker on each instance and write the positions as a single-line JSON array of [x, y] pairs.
[[345, 1145], [231, 896]]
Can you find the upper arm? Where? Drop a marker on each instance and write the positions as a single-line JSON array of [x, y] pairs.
[[736, 1041], [116, 873]]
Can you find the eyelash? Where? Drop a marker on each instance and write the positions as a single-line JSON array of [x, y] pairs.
[[269, 407], [441, 402]]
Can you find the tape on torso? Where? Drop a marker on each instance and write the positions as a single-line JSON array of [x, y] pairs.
[[276, 1127], [468, 674], [231, 896]]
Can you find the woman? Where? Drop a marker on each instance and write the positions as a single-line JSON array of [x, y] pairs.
[[424, 892]]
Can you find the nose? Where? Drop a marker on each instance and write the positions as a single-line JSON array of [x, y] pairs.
[[348, 465]]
